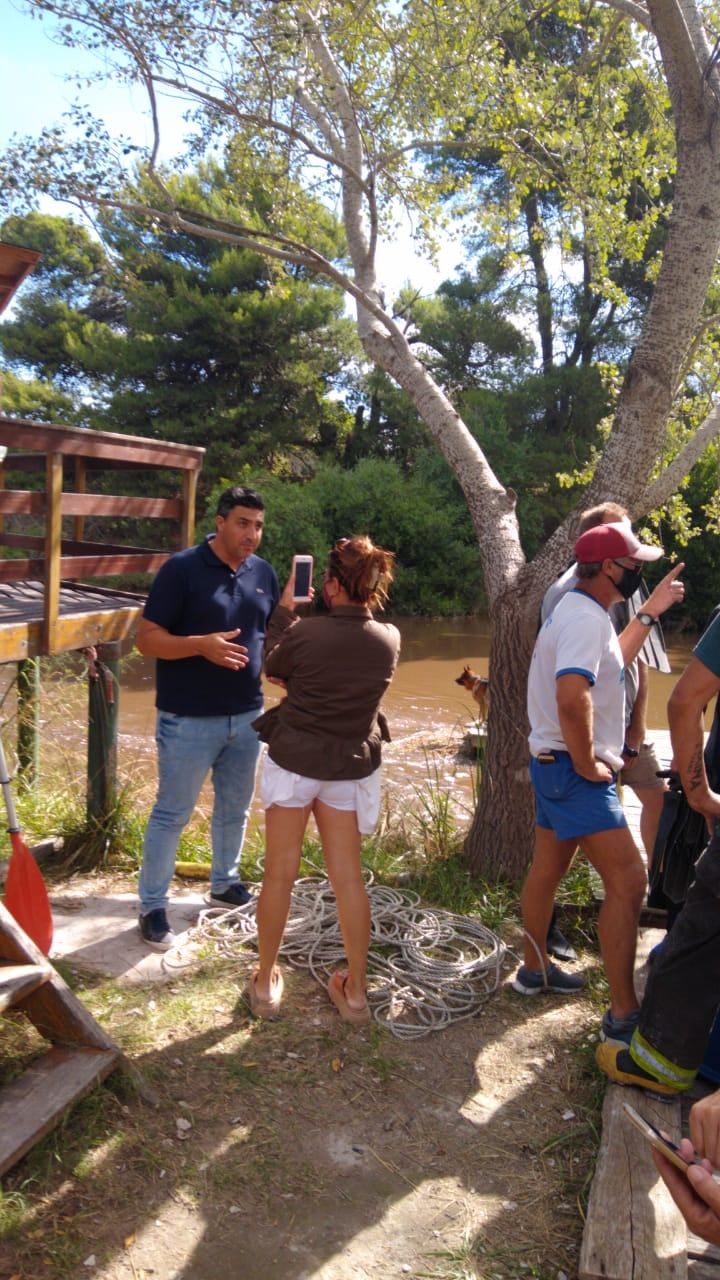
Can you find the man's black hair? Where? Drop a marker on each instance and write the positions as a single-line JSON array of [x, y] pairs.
[[239, 496]]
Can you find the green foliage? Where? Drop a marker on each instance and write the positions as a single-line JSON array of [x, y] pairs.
[[58, 318], [386, 424], [36, 399], [569, 162], [188, 339], [467, 332], [701, 552], [527, 422], [91, 843], [552, 141], [421, 517]]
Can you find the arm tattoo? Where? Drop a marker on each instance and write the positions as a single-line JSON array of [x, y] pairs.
[[696, 770]]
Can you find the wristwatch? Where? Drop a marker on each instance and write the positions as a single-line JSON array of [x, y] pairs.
[[646, 619]]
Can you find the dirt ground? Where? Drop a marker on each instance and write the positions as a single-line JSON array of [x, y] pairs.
[[307, 1149]]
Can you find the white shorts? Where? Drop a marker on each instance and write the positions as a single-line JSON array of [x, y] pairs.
[[294, 791]]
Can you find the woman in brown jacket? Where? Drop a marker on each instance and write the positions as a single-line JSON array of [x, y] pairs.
[[323, 757]]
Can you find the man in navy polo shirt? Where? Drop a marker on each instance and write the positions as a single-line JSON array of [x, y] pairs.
[[205, 621]]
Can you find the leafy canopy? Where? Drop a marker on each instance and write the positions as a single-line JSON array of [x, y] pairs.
[[285, 83]]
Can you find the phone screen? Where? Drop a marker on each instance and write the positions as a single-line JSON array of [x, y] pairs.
[[303, 578]]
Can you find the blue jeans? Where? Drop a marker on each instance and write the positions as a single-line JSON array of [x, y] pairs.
[[190, 747]]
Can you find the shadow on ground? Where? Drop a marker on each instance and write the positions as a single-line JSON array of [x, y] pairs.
[[309, 1150]]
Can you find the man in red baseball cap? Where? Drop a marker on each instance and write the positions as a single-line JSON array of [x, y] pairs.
[[613, 541], [641, 764], [576, 708]]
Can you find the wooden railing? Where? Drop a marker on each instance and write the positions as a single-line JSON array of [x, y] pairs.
[[68, 455]]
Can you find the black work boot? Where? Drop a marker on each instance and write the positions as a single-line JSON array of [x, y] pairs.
[[557, 944]]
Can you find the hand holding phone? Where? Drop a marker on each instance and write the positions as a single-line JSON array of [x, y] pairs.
[[302, 570], [656, 1139]]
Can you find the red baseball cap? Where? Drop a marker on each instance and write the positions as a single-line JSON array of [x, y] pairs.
[[610, 542]]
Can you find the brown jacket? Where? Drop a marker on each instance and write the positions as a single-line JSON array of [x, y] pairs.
[[337, 668]]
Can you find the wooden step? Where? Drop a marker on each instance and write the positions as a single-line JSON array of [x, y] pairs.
[[19, 980], [35, 1102]]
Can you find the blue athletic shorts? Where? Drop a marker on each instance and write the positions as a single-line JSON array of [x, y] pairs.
[[570, 805]]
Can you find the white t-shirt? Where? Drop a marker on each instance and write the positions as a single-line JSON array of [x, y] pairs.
[[619, 615], [578, 637]]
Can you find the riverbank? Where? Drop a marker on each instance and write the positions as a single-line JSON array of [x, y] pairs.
[[312, 1151], [305, 1149]]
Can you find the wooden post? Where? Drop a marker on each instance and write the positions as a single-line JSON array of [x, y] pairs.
[[80, 487], [53, 547], [103, 699], [3, 455], [187, 524], [28, 700]]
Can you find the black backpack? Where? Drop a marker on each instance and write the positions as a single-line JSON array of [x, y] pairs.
[[682, 832]]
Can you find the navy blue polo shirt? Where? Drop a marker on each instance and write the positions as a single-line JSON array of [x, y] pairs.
[[196, 593]]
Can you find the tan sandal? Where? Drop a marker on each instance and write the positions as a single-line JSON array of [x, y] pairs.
[[260, 1007], [336, 992]]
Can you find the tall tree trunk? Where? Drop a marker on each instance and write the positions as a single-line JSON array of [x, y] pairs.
[[499, 842], [500, 839]]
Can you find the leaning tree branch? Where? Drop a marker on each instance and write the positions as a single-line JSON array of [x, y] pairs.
[[631, 10], [668, 482], [269, 244], [362, 246]]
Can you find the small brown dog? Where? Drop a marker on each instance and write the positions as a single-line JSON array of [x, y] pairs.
[[479, 687]]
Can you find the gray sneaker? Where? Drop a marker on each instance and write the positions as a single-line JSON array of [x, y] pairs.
[[530, 982], [156, 931], [619, 1030]]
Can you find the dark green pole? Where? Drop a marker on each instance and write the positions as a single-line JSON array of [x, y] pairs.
[[103, 689], [28, 706]]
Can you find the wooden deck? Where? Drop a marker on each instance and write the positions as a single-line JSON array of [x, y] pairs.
[[88, 615], [633, 1230], [44, 552]]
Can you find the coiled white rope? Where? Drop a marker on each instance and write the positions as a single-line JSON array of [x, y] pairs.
[[427, 967]]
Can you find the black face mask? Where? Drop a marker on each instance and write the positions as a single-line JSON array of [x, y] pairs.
[[629, 583]]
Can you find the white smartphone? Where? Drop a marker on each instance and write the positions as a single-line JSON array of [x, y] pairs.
[[302, 567], [656, 1139]]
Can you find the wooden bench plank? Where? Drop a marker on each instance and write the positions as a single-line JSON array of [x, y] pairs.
[[18, 980], [32, 1105], [633, 1229]]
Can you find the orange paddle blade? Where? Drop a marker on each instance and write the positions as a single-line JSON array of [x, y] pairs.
[[26, 896]]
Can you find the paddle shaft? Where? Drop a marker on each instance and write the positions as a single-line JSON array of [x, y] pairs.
[[7, 793]]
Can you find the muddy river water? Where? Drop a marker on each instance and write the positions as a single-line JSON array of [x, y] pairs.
[[423, 694], [428, 712]]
